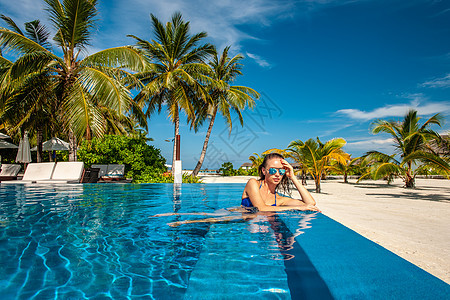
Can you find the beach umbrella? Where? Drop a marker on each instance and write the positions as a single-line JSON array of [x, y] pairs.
[[54, 144], [5, 144], [24, 153]]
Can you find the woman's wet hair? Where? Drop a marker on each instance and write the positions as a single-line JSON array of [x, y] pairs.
[[283, 186]]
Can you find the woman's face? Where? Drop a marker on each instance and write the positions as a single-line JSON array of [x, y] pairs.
[[273, 163]]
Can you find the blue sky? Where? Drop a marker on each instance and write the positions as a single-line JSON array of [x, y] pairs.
[[324, 68]]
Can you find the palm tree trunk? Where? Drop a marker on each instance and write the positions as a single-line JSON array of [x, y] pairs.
[[409, 180], [39, 144], [345, 177], [410, 183], [177, 132], [304, 177], [72, 146], [205, 146], [317, 181]]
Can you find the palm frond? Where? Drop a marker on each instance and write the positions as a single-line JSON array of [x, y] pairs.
[[120, 57], [386, 169], [13, 41], [430, 159], [11, 24], [31, 63], [82, 116], [106, 90], [38, 33], [73, 19]]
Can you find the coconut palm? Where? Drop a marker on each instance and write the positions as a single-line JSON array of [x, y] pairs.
[[224, 96], [85, 89], [412, 149], [175, 76], [346, 168], [256, 160], [24, 102], [314, 156]]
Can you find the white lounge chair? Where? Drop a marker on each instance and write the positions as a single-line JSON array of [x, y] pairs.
[[115, 171], [103, 169], [110, 172], [35, 172], [66, 172], [9, 172]]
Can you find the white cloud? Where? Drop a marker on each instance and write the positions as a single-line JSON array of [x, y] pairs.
[[398, 110], [334, 128], [382, 145], [371, 142], [443, 82], [259, 60], [220, 19], [23, 11]]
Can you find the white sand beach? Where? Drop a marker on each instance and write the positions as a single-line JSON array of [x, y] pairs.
[[413, 223]]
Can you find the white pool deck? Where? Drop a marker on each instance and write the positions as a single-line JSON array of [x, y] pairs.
[[413, 223]]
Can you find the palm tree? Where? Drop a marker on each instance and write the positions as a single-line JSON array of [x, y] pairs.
[[175, 76], [24, 103], [256, 160], [224, 70], [87, 91], [346, 168], [314, 156], [412, 145]]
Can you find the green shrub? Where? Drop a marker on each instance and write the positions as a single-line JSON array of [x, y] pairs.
[[149, 177], [187, 178], [143, 163], [247, 172], [227, 169]]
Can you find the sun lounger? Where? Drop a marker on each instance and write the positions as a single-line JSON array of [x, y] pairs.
[[9, 172], [66, 172], [35, 172], [103, 169], [115, 172], [90, 175], [110, 172]]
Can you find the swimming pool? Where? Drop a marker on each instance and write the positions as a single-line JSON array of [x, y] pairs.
[[99, 241]]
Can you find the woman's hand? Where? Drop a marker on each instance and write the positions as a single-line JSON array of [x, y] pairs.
[[289, 169], [309, 207]]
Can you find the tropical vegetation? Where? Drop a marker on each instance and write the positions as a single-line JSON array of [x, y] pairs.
[[79, 96], [347, 167], [140, 159], [315, 157], [223, 96], [175, 71], [227, 169], [413, 149], [256, 160]]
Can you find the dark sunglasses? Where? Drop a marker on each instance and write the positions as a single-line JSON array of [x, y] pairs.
[[273, 171]]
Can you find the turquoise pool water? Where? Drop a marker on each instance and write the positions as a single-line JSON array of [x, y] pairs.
[[99, 241]]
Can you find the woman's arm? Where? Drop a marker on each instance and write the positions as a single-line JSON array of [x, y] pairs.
[[304, 194], [299, 204]]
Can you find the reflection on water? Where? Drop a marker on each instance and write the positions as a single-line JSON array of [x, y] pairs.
[[304, 280], [284, 237]]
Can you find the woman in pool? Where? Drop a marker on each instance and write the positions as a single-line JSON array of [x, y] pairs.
[[274, 175], [261, 195]]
